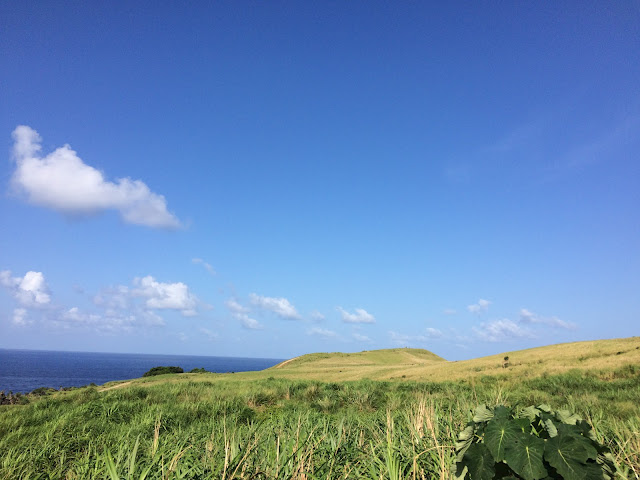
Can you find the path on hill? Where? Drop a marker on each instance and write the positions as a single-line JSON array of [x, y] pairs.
[[119, 385], [280, 365]]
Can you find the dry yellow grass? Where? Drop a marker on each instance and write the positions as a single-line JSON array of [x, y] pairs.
[[601, 357]]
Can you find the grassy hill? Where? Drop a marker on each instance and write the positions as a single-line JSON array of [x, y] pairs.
[[323, 415], [605, 359], [599, 357], [354, 366]]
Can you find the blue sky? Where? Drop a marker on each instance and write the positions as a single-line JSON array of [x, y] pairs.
[[270, 179]]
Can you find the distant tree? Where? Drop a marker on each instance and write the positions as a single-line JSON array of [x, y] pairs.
[[197, 370], [11, 399], [162, 371], [42, 391]]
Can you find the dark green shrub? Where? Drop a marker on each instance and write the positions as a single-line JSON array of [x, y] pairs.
[[38, 392], [197, 370], [162, 371], [531, 444]]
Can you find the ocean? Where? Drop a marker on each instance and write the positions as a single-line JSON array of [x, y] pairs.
[[25, 370]]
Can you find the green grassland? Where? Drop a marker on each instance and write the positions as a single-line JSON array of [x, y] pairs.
[[385, 414]]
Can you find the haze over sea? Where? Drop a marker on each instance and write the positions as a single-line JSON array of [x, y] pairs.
[[25, 370]]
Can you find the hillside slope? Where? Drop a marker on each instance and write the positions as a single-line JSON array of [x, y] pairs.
[[395, 356], [606, 359], [600, 356]]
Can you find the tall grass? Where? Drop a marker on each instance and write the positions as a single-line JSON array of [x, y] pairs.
[[285, 429]]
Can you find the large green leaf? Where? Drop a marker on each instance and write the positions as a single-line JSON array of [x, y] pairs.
[[550, 427], [523, 424], [479, 462], [464, 440], [544, 407], [524, 456], [500, 433], [565, 416], [530, 412], [586, 430], [482, 414], [459, 474], [568, 453], [502, 412]]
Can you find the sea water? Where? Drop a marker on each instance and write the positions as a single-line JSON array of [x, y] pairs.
[[25, 370]]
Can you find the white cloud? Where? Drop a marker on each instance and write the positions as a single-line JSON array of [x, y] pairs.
[[280, 306], [449, 311], [529, 317], [316, 316], [63, 182], [360, 315], [322, 332], [235, 307], [403, 339], [208, 267], [247, 322], [209, 334], [433, 332], [162, 296], [361, 338], [117, 310], [240, 313], [499, 330], [74, 315], [117, 297], [20, 317], [29, 291], [526, 316], [110, 321], [400, 338], [481, 306], [88, 319]]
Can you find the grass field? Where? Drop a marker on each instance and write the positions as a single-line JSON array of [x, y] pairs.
[[377, 415]]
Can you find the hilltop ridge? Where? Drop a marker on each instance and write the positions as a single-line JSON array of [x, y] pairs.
[[418, 364], [388, 356], [606, 359]]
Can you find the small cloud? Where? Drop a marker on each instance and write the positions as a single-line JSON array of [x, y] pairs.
[[117, 297], [400, 338], [208, 268], [531, 318], [526, 316], [280, 306], [74, 315], [240, 313], [110, 321], [449, 311], [29, 291], [361, 338], [183, 337], [481, 306], [209, 334], [316, 316], [247, 322], [322, 332], [500, 330], [403, 339], [20, 317], [433, 332], [360, 315], [235, 307], [162, 296], [63, 182]]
